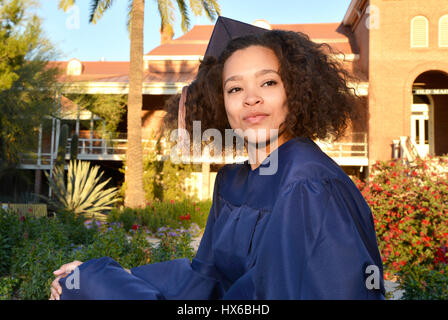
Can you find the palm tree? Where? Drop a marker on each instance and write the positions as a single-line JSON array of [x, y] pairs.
[[135, 195]]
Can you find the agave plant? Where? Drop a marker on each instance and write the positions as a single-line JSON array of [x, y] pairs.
[[82, 193]]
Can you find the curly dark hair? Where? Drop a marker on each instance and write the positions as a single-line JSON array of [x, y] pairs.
[[320, 102]]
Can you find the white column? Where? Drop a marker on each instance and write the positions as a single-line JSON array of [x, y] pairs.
[[205, 180], [103, 138], [39, 146], [51, 152], [77, 119], [91, 133]]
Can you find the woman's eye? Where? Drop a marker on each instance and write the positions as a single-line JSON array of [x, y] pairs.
[[270, 83], [234, 90]]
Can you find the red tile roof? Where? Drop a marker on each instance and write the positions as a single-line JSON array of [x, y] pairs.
[[93, 70], [193, 43]]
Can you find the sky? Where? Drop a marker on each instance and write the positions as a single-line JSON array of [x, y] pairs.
[[74, 37]]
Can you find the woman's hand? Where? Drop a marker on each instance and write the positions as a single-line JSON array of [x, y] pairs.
[[62, 272]]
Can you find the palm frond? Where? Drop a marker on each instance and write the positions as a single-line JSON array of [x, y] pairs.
[[184, 15], [196, 7], [166, 11], [66, 4], [97, 9], [211, 8], [129, 17]]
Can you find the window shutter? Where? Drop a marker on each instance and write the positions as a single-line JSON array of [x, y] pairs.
[[443, 31], [419, 32]]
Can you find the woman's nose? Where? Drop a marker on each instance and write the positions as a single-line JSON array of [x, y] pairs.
[[252, 98]]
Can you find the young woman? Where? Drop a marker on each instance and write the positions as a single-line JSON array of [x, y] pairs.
[[301, 231]]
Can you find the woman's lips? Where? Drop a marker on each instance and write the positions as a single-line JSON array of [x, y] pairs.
[[255, 118]]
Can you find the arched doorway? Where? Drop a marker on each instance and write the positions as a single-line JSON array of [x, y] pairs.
[[422, 125], [429, 113]]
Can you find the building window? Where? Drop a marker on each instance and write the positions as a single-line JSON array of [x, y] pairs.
[[443, 31], [419, 32], [74, 67]]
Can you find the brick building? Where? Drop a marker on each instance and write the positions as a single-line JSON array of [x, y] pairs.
[[397, 49], [403, 51]]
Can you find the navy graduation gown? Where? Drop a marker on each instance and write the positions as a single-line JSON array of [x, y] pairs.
[[304, 232]]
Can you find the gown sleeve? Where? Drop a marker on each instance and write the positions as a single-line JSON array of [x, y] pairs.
[[105, 279], [317, 245]]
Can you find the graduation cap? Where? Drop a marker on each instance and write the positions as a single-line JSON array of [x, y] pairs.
[[225, 30]]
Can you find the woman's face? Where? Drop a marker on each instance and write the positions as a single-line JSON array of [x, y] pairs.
[[254, 95]]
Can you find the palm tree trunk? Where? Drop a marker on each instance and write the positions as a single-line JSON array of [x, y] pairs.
[[134, 195]]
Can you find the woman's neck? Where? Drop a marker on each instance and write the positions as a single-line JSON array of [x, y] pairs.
[[257, 156]]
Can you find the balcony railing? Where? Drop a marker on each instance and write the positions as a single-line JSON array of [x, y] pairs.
[[356, 146], [351, 151]]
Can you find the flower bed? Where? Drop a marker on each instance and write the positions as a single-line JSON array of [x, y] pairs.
[[174, 214], [410, 211], [32, 248]]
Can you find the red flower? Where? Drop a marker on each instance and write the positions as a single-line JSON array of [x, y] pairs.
[[171, 201], [22, 218], [134, 226], [414, 173], [185, 217]]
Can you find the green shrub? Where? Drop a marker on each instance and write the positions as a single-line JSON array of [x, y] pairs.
[[423, 283], [32, 248], [125, 216], [409, 206], [83, 193], [114, 242], [173, 245], [35, 268], [75, 229], [11, 235], [159, 214], [34, 260], [163, 180], [7, 287]]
